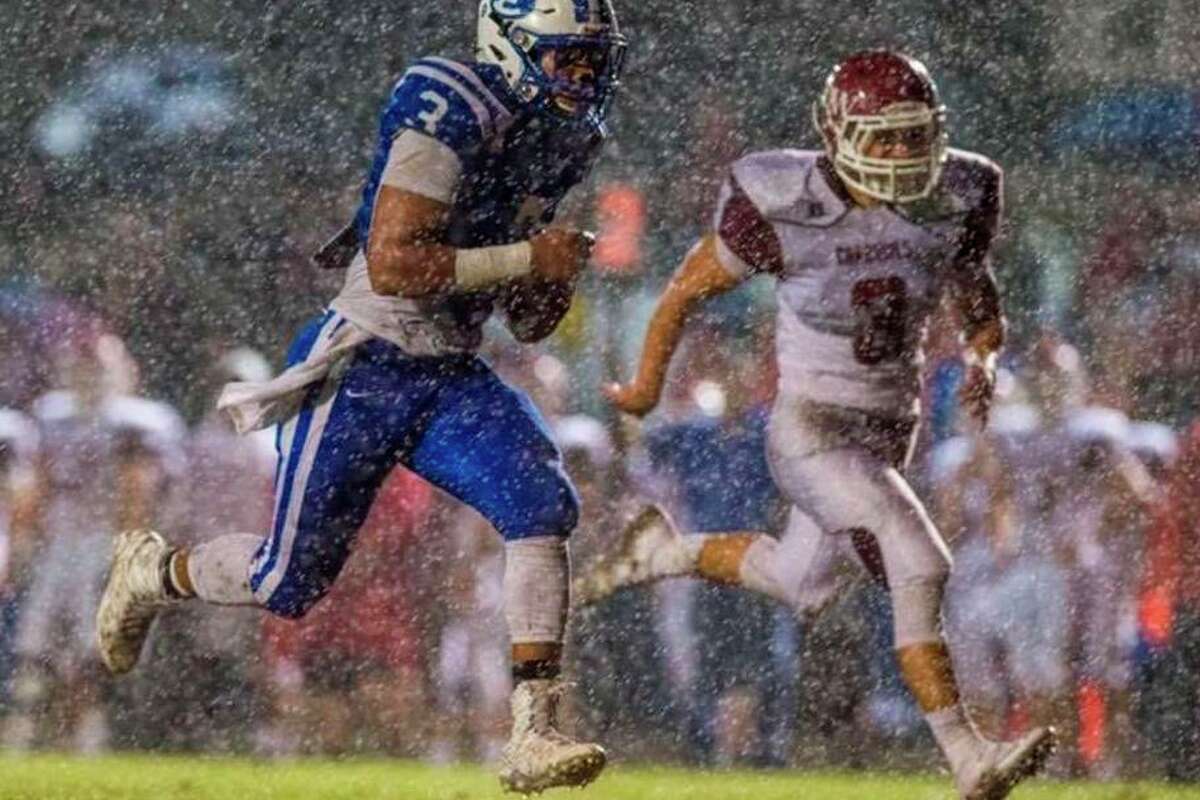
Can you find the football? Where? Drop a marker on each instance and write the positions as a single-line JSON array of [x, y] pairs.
[[533, 307]]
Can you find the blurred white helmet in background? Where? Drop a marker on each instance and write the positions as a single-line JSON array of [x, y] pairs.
[[244, 364]]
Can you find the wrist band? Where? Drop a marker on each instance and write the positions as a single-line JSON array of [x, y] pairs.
[[971, 358], [480, 267]]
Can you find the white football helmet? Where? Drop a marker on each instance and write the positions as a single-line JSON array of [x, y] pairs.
[[514, 35]]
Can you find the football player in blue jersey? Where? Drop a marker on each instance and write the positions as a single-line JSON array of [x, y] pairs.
[[473, 159]]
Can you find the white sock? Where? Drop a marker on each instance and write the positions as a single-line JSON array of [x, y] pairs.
[[220, 569], [760, 570], [537, 575], [954, 734]]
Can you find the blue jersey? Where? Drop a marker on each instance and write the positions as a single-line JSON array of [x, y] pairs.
[[455, 132], [515, 166]]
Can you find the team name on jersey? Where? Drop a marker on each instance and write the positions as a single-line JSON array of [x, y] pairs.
[[879, 253]]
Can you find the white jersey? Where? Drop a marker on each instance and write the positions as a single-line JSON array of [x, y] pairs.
[[230, 481], [81, 453], [855, 285]]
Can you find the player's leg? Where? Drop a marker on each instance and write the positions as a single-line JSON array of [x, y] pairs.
[[652, 548], [334, 455], [45, 604], [852, 489], [488, 446]]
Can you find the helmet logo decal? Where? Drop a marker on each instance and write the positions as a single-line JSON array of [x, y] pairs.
[[514, 8]]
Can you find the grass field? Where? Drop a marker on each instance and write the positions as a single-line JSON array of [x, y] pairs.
[[173, 778]]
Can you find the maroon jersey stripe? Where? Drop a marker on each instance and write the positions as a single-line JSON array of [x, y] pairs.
[[747, 233]]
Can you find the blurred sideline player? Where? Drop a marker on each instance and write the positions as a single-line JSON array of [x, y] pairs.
[[105, 459], [350, 675], [864, 240], [469, 683], [18, 488], [1103, 513], [229, 486], [740, 695], [1007, 614], [473, 160]]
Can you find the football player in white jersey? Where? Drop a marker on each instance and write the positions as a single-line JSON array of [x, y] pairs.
[[863, 239], [105, 460]]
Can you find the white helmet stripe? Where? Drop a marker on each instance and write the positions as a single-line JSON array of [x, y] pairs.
[[502, 111]]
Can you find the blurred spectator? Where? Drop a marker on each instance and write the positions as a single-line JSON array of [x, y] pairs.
[[107, 459], [1169, 620], [351, 674], [470, 682], [199, 682], [18, 486]]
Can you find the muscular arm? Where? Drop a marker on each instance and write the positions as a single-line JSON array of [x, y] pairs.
[[699, 277], [403, 256], [405, 259]]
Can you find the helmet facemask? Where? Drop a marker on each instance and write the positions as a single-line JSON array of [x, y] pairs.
[[575, 75], [902, 179], [554, 59]]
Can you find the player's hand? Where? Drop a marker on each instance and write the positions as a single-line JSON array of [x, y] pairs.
[[631, 398], [560, 254], [976, 392]]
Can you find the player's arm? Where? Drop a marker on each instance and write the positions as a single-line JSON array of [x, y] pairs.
[[702, 275], [435, 131], [404, 256], [28, 502], [977, 298]]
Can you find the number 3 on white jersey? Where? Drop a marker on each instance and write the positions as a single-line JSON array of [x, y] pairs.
[[431, 117]]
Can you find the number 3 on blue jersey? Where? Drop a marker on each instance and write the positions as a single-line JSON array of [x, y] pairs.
[[445, 100], [433, 115]]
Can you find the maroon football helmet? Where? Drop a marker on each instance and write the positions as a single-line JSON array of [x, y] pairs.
[[876, 94]]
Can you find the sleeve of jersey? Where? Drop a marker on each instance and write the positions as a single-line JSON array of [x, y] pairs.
[[435, 124], [979, 299], [746, 241], [983, 222]]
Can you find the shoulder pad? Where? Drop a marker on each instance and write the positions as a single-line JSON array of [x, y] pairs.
[[54, 406], [17, 431], [786, 185], [446, 100], [144, 416], [1098, 424]]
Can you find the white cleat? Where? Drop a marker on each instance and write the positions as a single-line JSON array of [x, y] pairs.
[[1002, 765], [132, 599], [651, 548], [538, 757]]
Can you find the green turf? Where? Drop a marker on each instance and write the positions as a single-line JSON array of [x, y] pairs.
[[172, 778]]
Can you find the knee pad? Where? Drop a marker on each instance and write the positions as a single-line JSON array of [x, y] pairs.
[[551, 509], [536, 581]]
